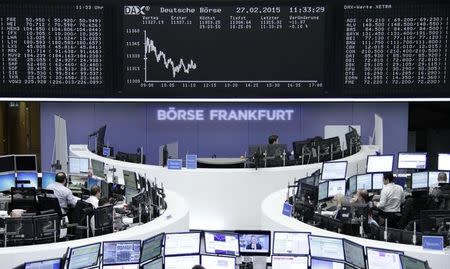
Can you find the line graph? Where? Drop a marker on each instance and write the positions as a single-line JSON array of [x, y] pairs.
[[150, 47]]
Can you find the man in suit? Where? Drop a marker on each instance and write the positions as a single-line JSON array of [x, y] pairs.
[[254, 244]]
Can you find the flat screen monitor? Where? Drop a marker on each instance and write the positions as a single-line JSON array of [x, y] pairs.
[[379, 163], [377, 181], [84, 256], [78, 165], [334, 170], [289, 262], [121, 252], [98, 168], [354, 254], [323, 191], [47, 179], [182, 243], [352, 187], [335, 187], [47, 264], [152, 248], [7, 164], [155, 264], [181, 262], [254, 243], [26, 163], [433, 177], [326, 264], [31, 176], [218, 262], [419, 180], [382, 259], [412, 263], [444, 161], [129, 178], [326, 247], [7, 181], [364, 182], [222, 243], [290, 243], [93, 182], [415, 160]]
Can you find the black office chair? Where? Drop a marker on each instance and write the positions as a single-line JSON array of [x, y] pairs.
[[23, 198], [19, 231], [47, 227], [49, 203], [104, 219], [78, 226]]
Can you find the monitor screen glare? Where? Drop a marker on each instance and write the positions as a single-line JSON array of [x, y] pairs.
[[382, 259], [78, 165], [222, 243], [364, 182], [335, 187], [354, 254], [83, 257], [334, 170], [379, 163], [323, 190], [411, 263], [444, 162], [151, 248], [182, 243], [121, 252], [419, 180], [155, 264], [47, 179], [352, 187], [289, 262], [377, 181], [326, 247], [25, 176], [292, 243], [412, 161], [7, 181]]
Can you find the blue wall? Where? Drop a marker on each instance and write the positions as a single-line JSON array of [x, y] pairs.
[[131, 125]]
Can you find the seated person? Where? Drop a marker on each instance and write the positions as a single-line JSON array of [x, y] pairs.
[[65, 197], [254, 244], [361, 197], [273, 139], [391, 199], [95, 196]]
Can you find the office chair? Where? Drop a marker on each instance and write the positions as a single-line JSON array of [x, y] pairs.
[[47, 227], [78, 226], [23, 198], [104, 219], [49, 203], [19, 231]]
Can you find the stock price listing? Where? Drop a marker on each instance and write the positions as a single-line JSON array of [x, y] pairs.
[[232, 47]]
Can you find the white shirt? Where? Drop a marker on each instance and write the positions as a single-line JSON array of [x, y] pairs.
[[64, 195], [392, 197], [93, 200]]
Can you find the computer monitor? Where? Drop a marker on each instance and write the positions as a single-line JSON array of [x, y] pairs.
[[7, 181], [433, 178], [334, 170], [121, 252], [354, 254], [152, 248], [412, 160], [290, 243], [98, 168], [26, 162], [25, 176], [155, 264], [84, 256], [129, 178], [92, 182], [412, 263], [218, 262], [377, 181], [222, 243], [106, 151], [47, 179], [323, 191], [326, 247], [78, 165], [7, 163], [181, 262], [335, 187], [352, 187], [254, 243], [364, 182], [326, 264], [182, 243], [444, 161], [51, 264], [289, 262], [379, 163], [419, 180], [383, 258]]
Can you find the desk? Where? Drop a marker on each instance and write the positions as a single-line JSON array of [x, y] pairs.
[[273, 219], [224, 199], [174, 219], [220, 162]]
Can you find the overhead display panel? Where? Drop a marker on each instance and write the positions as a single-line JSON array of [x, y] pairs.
[[224, 48], [54, 49]]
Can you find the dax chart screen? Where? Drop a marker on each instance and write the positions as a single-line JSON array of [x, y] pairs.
[[224, 46]]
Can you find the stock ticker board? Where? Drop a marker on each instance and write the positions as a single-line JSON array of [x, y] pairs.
[[220, 49]]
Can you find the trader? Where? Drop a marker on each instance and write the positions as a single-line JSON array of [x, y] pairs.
[[253, 244], [273, 139], [95, 196], [64, 194], [391, 199]]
